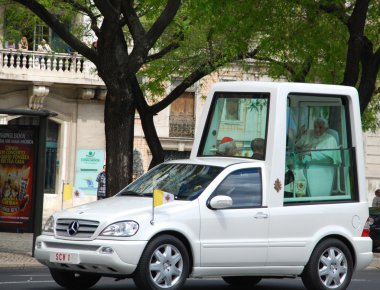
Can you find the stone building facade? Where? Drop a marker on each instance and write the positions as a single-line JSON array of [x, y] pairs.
[[69, 86]]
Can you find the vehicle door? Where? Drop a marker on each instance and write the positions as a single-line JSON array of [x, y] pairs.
[[236, 236]]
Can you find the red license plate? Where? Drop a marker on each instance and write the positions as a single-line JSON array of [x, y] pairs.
[[64, 257]]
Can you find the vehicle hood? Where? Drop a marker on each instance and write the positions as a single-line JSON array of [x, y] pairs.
[[109, 208]]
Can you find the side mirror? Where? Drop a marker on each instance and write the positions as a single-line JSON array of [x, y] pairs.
[[221, 202]]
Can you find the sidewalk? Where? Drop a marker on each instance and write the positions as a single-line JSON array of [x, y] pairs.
[[16, 252]]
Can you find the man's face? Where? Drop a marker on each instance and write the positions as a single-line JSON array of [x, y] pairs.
[[319, 129]]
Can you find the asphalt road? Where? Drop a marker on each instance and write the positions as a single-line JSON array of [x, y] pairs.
[[40, 279]]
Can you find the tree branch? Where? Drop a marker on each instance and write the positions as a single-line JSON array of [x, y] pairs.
[[336, 9], [202, 70], [196, 75], [108, 10], [163, 21], [133, 22], [86, 10], [162, 52], [285, 65], [356, 42]]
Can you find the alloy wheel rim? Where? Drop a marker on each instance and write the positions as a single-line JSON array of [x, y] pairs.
[[166, 266], [333, 267]]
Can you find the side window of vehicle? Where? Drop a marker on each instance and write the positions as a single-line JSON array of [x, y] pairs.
[[244, 186], [320, 159]]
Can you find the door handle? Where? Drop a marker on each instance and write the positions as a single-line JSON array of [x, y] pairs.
[[261, 215]]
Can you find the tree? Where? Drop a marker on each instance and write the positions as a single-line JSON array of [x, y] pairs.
[[115, 64], [361, 19], [156, 29], [329, 41], [303, 40]]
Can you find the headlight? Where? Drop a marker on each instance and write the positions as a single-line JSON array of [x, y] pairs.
[[49, 225], [121, 229]]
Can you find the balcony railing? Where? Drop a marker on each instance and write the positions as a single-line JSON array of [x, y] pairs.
[[181, 126], [51, 64]]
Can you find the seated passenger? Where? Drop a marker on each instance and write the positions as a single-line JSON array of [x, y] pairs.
[[227, 147], [315, 142], [257, 146]]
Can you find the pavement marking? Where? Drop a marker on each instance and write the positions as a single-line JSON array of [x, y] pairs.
[[25, 282], [40, 275]]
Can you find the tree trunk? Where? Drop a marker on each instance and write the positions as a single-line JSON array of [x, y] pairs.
[[152, 139], [356, 24], [370, 69], [119, 117], [147, 123]]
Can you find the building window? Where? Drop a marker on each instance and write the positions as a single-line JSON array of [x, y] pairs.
[[181, 119], [232, 110]]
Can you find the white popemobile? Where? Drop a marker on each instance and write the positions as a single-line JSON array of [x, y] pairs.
[[249, 204]]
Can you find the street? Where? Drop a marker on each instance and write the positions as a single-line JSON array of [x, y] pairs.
[[39, 278]]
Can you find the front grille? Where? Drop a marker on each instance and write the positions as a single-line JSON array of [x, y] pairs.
[[86, 228], [66, 246]]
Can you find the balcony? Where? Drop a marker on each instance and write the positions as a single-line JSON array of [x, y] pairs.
[[181, 126], [57, 68]]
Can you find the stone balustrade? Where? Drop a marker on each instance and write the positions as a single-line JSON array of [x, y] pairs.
[[50, 67]]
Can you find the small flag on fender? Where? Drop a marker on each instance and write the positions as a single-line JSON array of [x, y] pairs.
[[160, 197]]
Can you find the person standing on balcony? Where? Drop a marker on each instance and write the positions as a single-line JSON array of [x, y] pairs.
[[43, 46], [23, 44], [10, 44]]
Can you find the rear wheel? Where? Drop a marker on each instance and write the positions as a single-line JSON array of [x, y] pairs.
[[164, 264], [72, 280], [330, 267], [242, 281]]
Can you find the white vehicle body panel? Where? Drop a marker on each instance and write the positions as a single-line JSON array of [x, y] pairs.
[[272, 239]]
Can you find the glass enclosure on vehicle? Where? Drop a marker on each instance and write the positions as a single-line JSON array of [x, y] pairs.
[[237, 126], [320, 159], [184, 181]]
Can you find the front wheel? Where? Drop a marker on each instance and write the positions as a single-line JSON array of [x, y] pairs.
[[330, 267], [242, 281], [74, 281], [164, 264]]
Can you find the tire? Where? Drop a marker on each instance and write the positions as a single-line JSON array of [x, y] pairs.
[[164, 264], [73, 280], [330, 267], [242, 281]]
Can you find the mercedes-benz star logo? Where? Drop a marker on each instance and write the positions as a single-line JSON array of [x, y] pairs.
[[73, 228]]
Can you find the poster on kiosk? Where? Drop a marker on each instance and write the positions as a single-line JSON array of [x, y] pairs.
[[17, 161]]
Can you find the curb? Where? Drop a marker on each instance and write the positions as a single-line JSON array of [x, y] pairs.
[[13, 260]]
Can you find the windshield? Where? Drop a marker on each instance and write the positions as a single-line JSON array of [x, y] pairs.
[[237, 126], [184, 181]]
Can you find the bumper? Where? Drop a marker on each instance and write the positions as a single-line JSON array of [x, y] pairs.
[[364, 253], [106, 257]]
